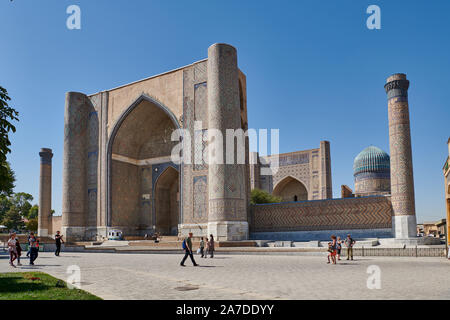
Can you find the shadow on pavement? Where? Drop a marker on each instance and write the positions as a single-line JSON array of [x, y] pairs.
[[39, 266], [210, 266]]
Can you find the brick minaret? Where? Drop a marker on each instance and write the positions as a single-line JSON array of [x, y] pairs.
[[45, 193], [75, 193], [402, 181], [227, 218]]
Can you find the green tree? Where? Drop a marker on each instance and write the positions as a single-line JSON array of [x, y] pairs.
[[5, 204], [7, 179], [32, 224], [7, 115], [259, 196], [34, 212], [21, 201], [13, 219]]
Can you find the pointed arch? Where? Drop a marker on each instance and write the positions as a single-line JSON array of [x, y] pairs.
[[290, 189], [158, 116]]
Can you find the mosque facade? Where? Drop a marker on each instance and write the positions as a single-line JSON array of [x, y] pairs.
[[118, 172]]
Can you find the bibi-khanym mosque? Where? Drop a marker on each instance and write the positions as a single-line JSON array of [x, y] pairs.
[[118, 172]]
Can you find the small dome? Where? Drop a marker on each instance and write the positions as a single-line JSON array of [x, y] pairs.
[[371, 159]]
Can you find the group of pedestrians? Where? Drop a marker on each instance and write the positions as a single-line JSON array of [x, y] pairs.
[[187, 247], [335, 247], [207, 248], [15, 249]]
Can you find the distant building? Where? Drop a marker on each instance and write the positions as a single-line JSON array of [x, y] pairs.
[[446, 170], [432, 228]]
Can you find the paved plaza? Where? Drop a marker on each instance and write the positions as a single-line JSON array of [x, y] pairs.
[[159, 276]]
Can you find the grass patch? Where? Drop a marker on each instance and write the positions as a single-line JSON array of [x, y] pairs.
[[38, 286]]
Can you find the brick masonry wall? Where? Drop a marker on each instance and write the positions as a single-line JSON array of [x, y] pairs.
[[396, 252], [56, 224], [334, 214]]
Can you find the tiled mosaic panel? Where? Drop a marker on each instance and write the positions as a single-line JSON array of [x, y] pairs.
[[200, 197], [201, 104], [92, 167]]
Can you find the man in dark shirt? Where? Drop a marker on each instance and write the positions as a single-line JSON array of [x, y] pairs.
[[58, 241], [188, 251]]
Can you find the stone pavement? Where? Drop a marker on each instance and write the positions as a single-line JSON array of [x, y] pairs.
[[159, 276]]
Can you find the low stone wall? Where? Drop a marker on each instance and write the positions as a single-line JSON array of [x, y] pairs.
[[323, 235], [396, 252], [370, 214]]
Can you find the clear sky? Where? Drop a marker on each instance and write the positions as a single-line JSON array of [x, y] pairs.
[[314, 70]]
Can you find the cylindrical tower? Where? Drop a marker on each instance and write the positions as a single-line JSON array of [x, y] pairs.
[[74, 202], [402, 181], [227, 218], [45, 193]]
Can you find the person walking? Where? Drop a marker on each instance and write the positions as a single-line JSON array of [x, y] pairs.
[[349, 243], [211, 245], [332, 246], [338, 248], [28, 241], [58, 241], [34, 247], [187, 246], [19, 251], [12, 249], [202, 247], [207, 248]]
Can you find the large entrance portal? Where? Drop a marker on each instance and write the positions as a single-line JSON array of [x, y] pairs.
[[143, 188]]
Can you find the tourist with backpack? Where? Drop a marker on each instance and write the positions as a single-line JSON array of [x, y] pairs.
[[349, 243], [187, 247]]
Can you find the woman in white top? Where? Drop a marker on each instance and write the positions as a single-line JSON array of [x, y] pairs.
[[12, 247]]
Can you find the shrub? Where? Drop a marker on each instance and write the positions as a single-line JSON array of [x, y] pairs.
[[259, 196]]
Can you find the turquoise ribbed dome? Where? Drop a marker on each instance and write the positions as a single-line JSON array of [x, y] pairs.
[[371, 159]]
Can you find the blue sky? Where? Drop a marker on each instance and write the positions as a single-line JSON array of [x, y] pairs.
[[313, 70]]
